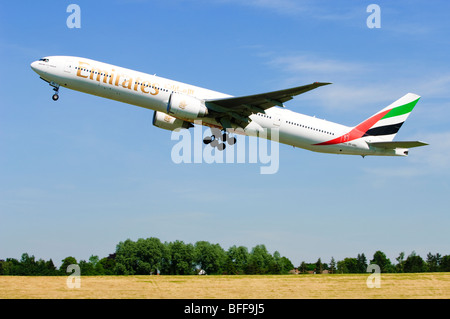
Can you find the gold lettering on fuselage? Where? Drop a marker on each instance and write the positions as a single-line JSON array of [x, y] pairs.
[[80, 69], [111, 77], [155, 86], [145, 85], [127, 83], [84, 70], [116, 83], [99, 73], [137, 83]]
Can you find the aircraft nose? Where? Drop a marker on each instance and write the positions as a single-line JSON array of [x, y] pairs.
[[34, 66]]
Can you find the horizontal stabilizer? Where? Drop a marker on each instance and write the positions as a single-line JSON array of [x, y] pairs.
[[399, 144]]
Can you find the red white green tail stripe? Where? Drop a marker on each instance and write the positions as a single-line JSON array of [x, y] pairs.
[[384, 124]]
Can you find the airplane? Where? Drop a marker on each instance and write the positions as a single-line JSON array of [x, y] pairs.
[[178, 105]]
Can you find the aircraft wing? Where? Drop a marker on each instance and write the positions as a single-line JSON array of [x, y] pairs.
[[238, 109]]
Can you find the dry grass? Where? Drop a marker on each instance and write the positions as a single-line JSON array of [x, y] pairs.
[[393, 286]]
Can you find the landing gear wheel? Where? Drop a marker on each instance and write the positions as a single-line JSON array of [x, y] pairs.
[[221, 146], [215, 142], [231, 140], [219, 139], [207, 140], [55, 86]]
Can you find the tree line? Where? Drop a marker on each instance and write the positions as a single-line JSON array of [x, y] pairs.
[[151, 256], [413, 263]]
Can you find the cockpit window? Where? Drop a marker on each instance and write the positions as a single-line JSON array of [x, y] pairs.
[[45, 60]]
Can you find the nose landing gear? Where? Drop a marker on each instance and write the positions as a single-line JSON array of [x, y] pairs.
[[55, 96]]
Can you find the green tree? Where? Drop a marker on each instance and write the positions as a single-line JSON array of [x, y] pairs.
[[445, 263], [433, 262], [380, 259], [415, 263], [348, 266], [87, 268], [13, 267], [108, 264], [279, 264], [142, 257], [28, 265], [181, 259], [48, 268], [303, 267], [126, 258], [4, 267], [149, 255], [400, 263], [361, 263], [319, 267], [259, 260], [332, 265], [94, 260], [274, 264], [65, 263], [239, 256], [285, 265], [210, 257], [229, 267]]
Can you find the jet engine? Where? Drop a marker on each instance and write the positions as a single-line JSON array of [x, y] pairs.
[[186, 106], [167, 122]]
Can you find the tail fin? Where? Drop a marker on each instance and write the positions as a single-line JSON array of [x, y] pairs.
[[383, 125], [387, 122]]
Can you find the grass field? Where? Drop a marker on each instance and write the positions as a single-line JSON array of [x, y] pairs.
[[393, 286]]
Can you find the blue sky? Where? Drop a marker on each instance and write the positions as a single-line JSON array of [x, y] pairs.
[[80, 175]]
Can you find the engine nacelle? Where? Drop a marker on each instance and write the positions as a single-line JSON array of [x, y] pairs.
[[167, 122], [185, 106]]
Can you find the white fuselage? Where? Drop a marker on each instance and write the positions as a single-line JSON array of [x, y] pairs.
[[153, 92]]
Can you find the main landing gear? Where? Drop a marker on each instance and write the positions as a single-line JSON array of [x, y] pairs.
[[218, 139], [55, 96]]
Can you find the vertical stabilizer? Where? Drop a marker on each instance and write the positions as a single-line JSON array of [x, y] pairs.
[[386, 123]]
